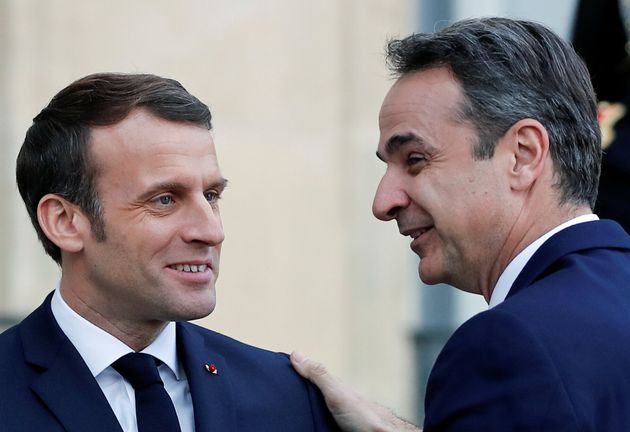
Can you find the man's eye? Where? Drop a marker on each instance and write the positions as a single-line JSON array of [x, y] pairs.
[[212, 196], [164, 200], [415, 158]]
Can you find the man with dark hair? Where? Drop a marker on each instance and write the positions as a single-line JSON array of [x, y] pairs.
[[492, 148], [120, 178]]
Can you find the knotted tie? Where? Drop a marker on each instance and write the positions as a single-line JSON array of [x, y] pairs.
[[155, 411]]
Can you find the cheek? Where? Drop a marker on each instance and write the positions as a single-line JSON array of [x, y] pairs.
[[442, 199], [145, 239], [157, 231], [422, 191]]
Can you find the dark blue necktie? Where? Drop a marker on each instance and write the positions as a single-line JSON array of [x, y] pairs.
[[155, 411]]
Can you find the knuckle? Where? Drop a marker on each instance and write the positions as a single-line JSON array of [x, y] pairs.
[[318, 369]]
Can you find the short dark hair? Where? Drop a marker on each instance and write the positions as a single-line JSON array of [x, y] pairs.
[[510, 70], [55, 156]]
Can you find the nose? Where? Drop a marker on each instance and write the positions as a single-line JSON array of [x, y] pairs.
[[203, 224], [389, 199]]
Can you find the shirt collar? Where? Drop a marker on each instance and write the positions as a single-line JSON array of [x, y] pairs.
[[100, 349], [514, 268]]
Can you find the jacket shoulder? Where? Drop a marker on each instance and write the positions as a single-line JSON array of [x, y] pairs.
[[268, 393], [493, 374], [230, 346]]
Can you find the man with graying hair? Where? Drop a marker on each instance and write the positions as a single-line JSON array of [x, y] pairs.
[[492, 153]]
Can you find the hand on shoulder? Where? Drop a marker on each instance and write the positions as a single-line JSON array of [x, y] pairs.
[[351, 411]]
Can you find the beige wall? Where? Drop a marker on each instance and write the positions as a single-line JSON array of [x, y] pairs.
[[295, 88]]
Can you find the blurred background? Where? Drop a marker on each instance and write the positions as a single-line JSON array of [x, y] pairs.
[[295, 88]]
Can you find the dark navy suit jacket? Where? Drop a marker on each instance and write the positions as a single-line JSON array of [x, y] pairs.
[[46, 387], [555, 355]]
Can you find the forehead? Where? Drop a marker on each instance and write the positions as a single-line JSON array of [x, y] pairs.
[[433, 84], [143, 146], [420, 103]]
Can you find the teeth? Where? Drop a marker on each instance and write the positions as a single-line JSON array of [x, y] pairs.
[[417, 234], [190, 268]]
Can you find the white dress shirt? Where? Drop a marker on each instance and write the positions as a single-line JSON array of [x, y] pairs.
[[99, 350], [514, 268]]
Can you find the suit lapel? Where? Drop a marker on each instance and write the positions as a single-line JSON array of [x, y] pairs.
[[212, 394], [579, 237], [64, 383]]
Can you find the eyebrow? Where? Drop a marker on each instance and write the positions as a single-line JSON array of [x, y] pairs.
[[396, 142], [178, 187]]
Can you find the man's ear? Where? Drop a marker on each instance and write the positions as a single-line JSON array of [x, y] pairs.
[[528, 143], [63, 222]]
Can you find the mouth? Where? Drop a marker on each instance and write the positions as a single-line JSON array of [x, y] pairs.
[[415, 233], [190, 268], [194, 272]]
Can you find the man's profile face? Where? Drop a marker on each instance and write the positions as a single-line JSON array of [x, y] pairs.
[[159, 183], [447, 202]]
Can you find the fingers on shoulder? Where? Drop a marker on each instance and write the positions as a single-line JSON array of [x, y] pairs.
[[308, 368]]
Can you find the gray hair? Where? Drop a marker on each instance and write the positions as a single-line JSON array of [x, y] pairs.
[[510, 70]]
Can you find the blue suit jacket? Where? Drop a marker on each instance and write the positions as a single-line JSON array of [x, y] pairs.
[[46, 387], [555, 355]]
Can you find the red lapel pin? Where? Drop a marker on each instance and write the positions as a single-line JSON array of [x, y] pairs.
[[211, 368]]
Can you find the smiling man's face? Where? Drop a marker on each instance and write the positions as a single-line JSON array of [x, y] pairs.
[[159, 183], [445, 200]]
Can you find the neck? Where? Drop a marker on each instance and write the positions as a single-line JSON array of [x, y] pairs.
[[135, 334], [527, 228]]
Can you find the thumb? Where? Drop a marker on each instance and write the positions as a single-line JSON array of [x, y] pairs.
[[306, 367], [350, 410], [315, 372]]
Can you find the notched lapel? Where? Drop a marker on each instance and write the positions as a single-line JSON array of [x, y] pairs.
[[212, 395], [78, 404], [62, 380]]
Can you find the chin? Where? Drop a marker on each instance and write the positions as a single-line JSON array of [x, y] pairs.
[[203, 310], [428, 277], [429, 281], [196, 307], [190, 314]]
